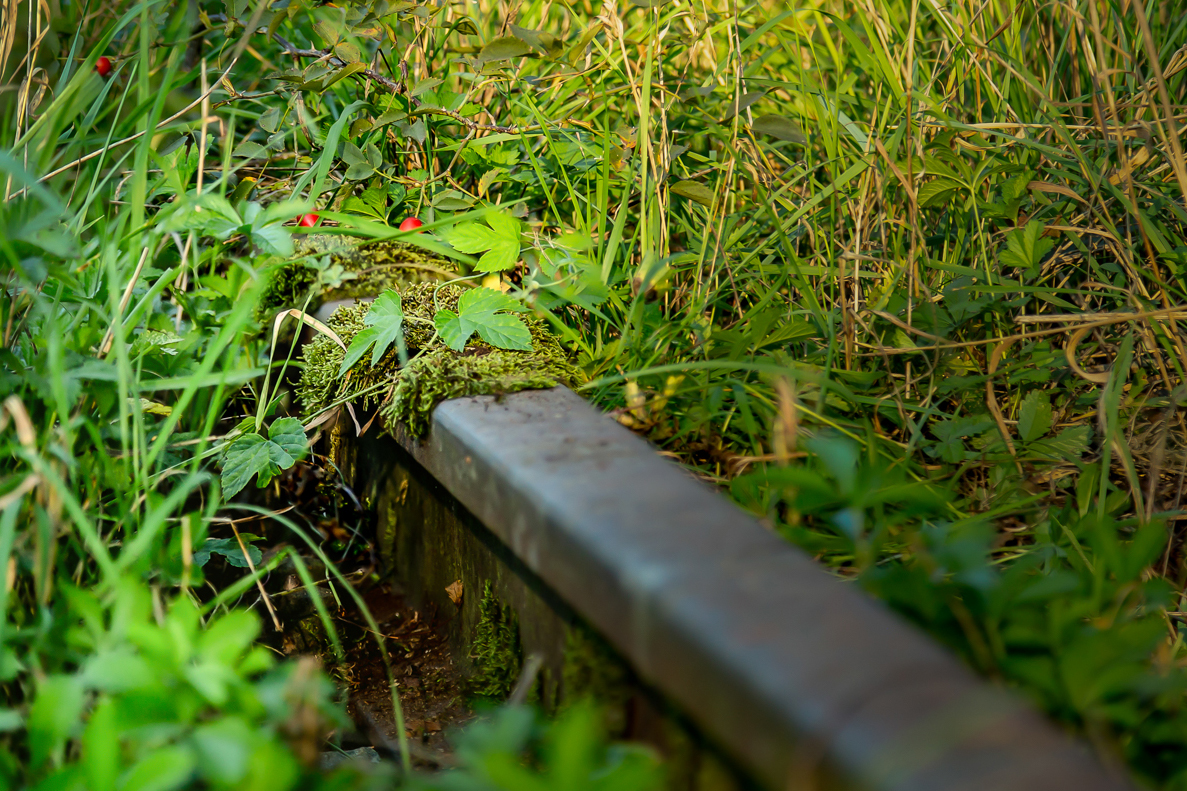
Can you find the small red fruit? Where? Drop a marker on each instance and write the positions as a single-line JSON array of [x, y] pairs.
[[103, 66], [410, 224], [308, 220]]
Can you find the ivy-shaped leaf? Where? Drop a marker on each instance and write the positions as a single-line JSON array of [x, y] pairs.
[[481, 310], [499, 238], [254, 455], [385, 326]]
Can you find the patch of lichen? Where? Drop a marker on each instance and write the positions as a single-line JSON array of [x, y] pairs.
[[495, 652], [435, 372]]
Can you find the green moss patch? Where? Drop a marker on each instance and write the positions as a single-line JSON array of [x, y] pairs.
[[434, 373]]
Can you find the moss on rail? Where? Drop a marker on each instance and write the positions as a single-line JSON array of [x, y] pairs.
[[434, 373]]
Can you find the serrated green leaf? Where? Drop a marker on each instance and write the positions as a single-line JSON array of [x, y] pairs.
[[780, 128], [1034, 416], [289, 435], [452, 329], [504, 331], [358, 347], [477, 301], [1068, 444], [276, 239], [693, 190], [479, 310], [501, 256], [503, 48], [471, 237], [934, 191], [386, 316], [385, 326], [247, 456], [503, 224], [1026, 247]]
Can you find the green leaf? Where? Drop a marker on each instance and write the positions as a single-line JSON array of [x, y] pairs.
[[505, 331], [780, 128], [1026, 247], [693, 190], [452, 330], [53, 715], [499, 238], [358, 347], [387, 317], [1034, 416], [247, 457], [480, 310], [253, 455], [485, 300], [385, 326], [936, 190], [229, 548], [503, 48], [501, 256], [1068, 444], [471, 237], [163, 769], [289, 434]]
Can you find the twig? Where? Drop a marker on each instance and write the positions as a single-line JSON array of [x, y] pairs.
[[259, 583]]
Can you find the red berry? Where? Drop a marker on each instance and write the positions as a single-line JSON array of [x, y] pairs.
[[410, 224], [307, 220], [103, 66]]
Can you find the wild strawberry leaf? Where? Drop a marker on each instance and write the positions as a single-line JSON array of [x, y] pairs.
[[1026, 248]]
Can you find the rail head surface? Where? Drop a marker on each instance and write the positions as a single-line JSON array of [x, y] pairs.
[[803, 679]]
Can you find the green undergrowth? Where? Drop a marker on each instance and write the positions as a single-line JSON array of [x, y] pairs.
[[908, 280], [337, 268], [406, 395]]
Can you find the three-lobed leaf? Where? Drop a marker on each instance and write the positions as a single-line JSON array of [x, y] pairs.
[[499, 238], [254, 455], [483, 310], [385, 326]]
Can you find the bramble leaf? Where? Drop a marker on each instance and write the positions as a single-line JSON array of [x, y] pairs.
[[1026, 247], [1034, 416]]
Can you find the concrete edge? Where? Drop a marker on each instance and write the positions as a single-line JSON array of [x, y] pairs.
[[803, 679]]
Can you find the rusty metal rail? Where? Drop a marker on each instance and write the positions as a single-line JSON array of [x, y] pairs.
[[806, 682]]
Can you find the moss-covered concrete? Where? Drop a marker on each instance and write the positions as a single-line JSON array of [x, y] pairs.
[[435, 372]]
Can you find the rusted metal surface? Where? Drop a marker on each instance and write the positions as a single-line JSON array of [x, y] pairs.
[[804, 680]]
